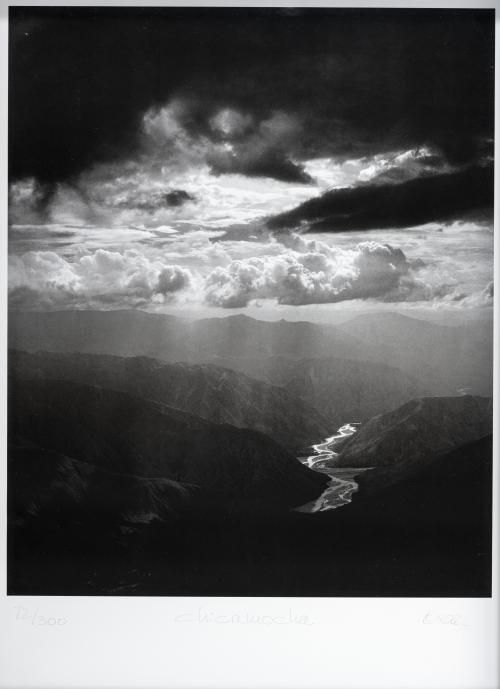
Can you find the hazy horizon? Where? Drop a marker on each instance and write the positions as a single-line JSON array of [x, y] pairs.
[[323, 316]]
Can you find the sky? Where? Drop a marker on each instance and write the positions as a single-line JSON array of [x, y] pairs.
[[278, 162]]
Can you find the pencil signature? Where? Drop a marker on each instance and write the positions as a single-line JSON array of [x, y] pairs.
[[452, 619]]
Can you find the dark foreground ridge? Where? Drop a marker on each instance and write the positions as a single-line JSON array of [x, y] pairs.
[[409, 434], [79, 529], [118, 433]]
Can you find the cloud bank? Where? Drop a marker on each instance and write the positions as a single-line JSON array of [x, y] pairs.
[[295, 271]]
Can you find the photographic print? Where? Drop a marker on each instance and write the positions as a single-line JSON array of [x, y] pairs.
[[250, 302]]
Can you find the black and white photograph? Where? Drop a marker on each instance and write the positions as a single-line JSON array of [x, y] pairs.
[[250, 302]]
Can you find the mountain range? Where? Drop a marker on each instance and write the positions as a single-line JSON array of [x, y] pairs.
[[152, 455], [443, 359], [137, 333], [219, 395], [340, 389], [121, 434]]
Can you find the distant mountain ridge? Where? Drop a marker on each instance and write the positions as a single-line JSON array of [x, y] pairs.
[[137, 333], [442, 359]]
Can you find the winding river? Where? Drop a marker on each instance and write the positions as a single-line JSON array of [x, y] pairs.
[[342, 484]]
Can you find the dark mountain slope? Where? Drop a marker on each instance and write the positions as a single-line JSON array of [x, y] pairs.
[[44, 484], [442, 507], [216, 394], [418, 428], [121, 434], [448, 488], [341, 389], [429, 535]]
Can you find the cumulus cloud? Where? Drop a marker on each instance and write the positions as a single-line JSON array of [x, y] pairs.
[[173, 279], [192, 270], [45, 279], [314, 273]]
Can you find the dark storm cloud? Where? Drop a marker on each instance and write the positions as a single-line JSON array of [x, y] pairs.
[[177, 197], [418, 201], [265, 165], [355, 81], [152, 201]]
